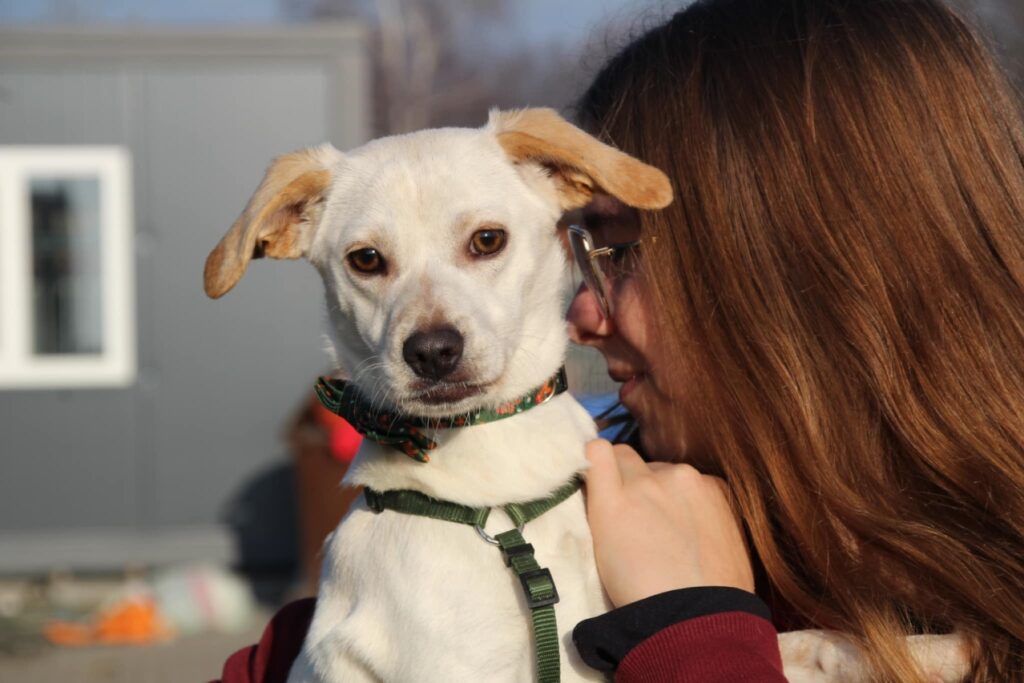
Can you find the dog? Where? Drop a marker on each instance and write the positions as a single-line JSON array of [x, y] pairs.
[[442, 269]]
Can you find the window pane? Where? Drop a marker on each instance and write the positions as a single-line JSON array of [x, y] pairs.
[[66, 265]]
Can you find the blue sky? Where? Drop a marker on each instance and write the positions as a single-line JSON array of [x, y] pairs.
[[570, 21]]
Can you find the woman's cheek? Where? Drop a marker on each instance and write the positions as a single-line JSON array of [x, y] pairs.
[[632, 319]]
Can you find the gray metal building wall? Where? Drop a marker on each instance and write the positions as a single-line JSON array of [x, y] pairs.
[[146, 473]]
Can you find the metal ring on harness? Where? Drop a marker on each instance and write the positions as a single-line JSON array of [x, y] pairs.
[[491, 539]]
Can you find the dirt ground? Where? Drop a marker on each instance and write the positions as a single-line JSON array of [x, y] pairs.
[[193, 659]]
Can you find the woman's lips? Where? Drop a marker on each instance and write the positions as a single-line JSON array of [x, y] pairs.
[[629, 385]]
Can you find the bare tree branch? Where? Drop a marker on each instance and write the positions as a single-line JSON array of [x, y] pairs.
[[428, 73]]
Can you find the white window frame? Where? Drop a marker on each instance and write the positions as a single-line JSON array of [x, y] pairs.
[[20, 367]]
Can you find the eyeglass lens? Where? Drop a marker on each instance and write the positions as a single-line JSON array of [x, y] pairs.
[[593, 277]]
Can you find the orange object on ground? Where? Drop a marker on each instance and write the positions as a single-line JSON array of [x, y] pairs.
[[132, 621]]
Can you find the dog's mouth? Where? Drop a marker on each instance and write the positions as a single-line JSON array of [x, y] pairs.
[[444, 393]]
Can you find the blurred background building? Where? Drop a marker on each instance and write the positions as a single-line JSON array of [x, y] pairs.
[[141, 424], [133, 408]]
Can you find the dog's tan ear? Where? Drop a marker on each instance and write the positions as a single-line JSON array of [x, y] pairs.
[[581, 164], [279, 219]]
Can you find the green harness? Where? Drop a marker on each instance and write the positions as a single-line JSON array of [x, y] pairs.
[[405, 433], [538, 585]]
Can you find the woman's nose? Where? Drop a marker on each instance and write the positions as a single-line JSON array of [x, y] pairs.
[[587, 324]]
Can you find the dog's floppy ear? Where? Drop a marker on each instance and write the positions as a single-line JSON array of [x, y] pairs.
[[581, 164], [279, 219]]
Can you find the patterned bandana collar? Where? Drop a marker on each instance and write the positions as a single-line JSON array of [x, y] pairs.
[[404, 432]]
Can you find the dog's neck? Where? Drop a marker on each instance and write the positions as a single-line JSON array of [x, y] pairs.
[[405, 432], [514, 460]]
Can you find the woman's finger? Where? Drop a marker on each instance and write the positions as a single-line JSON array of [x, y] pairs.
[[630, 463]]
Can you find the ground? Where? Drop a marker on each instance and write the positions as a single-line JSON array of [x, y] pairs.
[[193, 659]]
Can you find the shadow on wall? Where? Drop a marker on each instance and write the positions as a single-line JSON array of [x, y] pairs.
[[263, 519], [281, 516]]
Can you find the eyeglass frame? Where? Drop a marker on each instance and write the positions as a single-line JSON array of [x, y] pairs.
[[581, 243]]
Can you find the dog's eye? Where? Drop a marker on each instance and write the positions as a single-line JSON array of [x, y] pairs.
[[487, 241], [366, 260]]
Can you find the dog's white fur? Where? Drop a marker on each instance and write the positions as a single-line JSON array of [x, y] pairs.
[[406, 598]]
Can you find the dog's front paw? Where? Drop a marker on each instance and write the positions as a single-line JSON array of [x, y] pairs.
[[943, 659], [812, 656], [830, 656]]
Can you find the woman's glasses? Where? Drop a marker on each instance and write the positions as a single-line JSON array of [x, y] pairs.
[[600, 265]]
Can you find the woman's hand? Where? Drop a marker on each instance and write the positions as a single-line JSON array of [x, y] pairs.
[[660, 526]]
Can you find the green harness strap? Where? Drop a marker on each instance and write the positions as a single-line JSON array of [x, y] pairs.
[[541, 596], [538, 585]]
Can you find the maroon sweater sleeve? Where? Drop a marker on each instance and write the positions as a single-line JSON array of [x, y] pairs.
[[707, 634], [270, 660], [727, 647]]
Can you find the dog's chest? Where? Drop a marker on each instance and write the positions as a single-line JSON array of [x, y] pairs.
[[420, 599]]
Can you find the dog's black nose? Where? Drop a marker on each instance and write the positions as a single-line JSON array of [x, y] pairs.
[[435, 353]]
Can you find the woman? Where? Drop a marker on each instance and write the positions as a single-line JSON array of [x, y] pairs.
[[830, 318]]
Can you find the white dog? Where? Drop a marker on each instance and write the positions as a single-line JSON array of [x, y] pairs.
[[442, 271]]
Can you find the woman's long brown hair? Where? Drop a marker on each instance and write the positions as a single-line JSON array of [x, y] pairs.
[[846, 290]]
